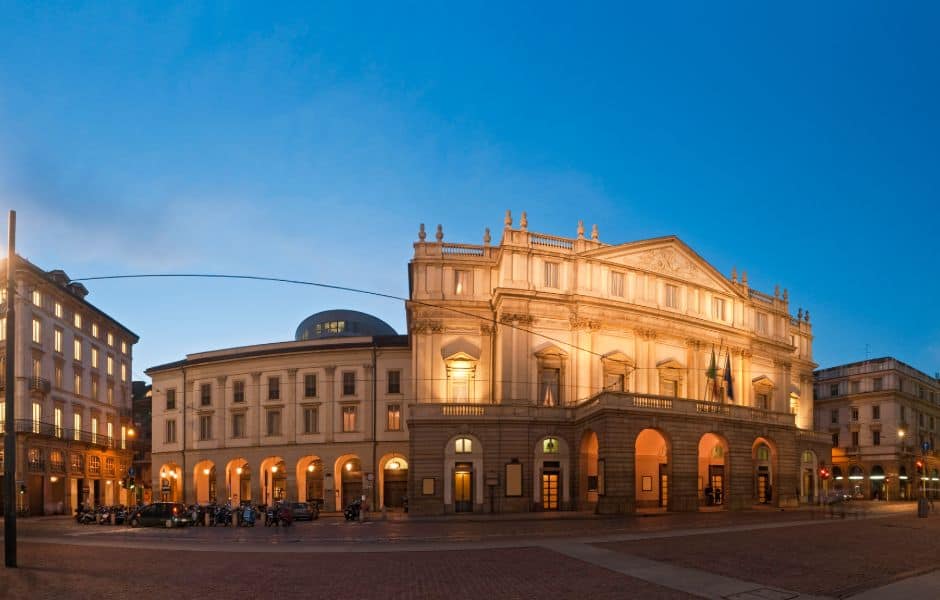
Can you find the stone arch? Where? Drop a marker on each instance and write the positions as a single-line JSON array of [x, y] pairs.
[[273, 479], [856, 481], [764, 458], [551, 473], [652, 469], [714, 470], [348, 477], [238, 480], [393, 480], [171, 482], [469, 460], [204, 486], [310, 479], [589, 482]]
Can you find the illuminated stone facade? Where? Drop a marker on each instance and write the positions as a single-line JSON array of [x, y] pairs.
[[72, 394], [883, 416], [539, 373]]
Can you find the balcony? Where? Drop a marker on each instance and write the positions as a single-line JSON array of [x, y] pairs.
[[39, 385], [619, 401], [64, 433]]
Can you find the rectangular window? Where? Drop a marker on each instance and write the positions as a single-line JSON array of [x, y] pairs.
[[77, 425], [94, 357], [37, 367], [394, 382], [920, 419], [77, 320], [349, 383], [762, 323], [110, 393], [462, 283], [110, 339], [3, 329], [94, 430], [238, 391], [834, 416], [855, 438], [238, 425], [875, 438], [669, 387], [169, 436], [94, 330], [77, 349], [671, 295], [57, 340], [550, 387], [903, 414], [311, 424], [57, 419], [274, 422], [110, 368], [123, 437], [310, 386], [37, 416], [551, 274], [763, 401], [205, 427], [123, 371], [37, 298], [855, 413], [855, 387], [393, 420], [57, 376], [718, 310], [78, 384], [274, 388], [123, 347], [616, 284], [835, 440], [205, 394], [37, 331], [171, 399], [875, 412], [3, 418], [349, 419], [833, 389], [110, 433], [58, 310]]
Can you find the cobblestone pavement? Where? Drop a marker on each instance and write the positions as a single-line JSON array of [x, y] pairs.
[[837, 559], [752, 554]]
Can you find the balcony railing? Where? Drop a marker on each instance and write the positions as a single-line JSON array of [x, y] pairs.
[[64, 433], [603, 401], [38, 384]]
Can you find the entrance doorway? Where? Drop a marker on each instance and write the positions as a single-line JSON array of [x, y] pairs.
[[395, 483], [463, 487], [763, 485], [716, 480], [550, 485]]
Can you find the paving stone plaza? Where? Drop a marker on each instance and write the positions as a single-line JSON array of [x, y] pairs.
[[750, 554]]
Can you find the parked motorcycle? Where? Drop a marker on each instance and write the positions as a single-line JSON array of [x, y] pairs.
[[248, 516]]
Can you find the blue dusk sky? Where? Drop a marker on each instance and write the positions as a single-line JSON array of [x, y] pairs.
[[799, 142]]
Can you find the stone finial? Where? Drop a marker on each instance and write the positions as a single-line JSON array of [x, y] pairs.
[[422, 234], [440, 233], [594, 232], [734, 274], [786, 295], [508, 219], [580, 230], [744, 277], [523, 221], [799, 314], [486, 237], [777, 291], [806, 316]]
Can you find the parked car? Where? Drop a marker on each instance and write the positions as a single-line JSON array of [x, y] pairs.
[[304, 511], [160, 514]]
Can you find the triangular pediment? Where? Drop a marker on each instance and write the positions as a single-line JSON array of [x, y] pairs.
[[668, 256]]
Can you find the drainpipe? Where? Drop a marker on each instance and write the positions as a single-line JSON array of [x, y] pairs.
[[375, 466]]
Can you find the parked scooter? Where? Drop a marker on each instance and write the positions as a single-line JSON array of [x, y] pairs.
[[271, 516], [352, 510], [248, 516]]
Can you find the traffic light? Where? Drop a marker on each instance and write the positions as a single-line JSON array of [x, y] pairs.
[[131, 484], [22, 488], [919, 464], [823, 473]]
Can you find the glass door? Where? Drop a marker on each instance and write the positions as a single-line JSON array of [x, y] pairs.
[[463, 490], [549, 490]]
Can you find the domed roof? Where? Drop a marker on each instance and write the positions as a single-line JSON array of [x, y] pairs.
[[341, 323]]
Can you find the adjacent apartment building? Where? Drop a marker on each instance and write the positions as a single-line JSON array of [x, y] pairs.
[[539, 373], [883, 416], [72, 393]]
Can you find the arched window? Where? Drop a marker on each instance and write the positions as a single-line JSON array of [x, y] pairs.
[[856, 473], [463, 445], [763, 452], [808, 457], [550, 445]]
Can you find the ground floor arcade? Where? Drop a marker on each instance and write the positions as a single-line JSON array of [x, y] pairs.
[[332, 475]]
